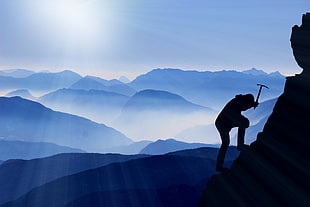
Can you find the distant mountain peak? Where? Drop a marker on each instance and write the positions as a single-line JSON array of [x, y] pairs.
[[124, 79], [17, 73], [103, 81], [24, 93], [169, 140], [254, 71], [88, 83], [159, 93], [276, 73], [170, 145], [69, 72], [17, 69], [150, 99], [160, 70]]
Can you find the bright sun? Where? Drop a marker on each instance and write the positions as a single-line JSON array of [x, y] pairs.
[[77, 19]]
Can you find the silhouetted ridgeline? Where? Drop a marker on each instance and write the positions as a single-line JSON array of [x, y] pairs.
[[174, 179], [21, 176], [274, 170]]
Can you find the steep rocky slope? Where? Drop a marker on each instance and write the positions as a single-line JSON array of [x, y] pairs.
[[274, 170]]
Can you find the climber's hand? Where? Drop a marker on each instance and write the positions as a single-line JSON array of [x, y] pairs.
[[255, 104]]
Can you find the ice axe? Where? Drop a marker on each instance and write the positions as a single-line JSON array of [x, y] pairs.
[[259, 91]]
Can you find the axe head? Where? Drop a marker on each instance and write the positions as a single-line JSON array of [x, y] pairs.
[[261, 85]]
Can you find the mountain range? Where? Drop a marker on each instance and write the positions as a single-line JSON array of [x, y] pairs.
[[160, 101], [160, 114], [212, 89], [170, 145], [161, 104], [131, 149], [40, 81], [31, 150], [16, 73], [255, 71], [15, 79], [179, 175], [20, 176], [91, 82], [98, 105], [26, 120]]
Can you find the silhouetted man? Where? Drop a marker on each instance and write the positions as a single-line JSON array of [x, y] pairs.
[[229, 118]]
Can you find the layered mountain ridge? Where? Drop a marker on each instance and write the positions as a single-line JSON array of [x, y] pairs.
[[23, 119]]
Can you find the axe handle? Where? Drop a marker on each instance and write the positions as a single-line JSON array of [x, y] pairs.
[[259, 91]]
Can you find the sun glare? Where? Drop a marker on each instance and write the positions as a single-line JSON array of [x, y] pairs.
[[76, 20]]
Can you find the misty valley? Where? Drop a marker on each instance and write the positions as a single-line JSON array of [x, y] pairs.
[[69, 140]]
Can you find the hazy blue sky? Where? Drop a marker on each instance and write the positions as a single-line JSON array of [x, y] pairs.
[[114, 37]]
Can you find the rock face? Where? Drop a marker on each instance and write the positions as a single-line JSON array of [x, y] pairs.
[[275, 169]]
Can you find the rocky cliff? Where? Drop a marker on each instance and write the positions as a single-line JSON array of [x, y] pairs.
[[275, 169]]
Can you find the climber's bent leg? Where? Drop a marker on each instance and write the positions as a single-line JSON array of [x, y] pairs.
[[224, 133], [241, 134]]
